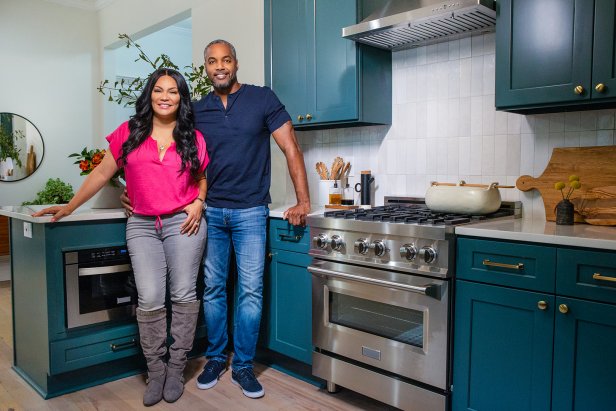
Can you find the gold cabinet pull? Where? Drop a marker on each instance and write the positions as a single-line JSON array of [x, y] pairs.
[[123, 346], [597, 276], [300, 118], [308, 116], [518, 266], [542, 305], [563, 308], [600, 87], [578, 90]]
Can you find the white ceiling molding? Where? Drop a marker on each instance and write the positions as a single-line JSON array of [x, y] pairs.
[[92, 5]]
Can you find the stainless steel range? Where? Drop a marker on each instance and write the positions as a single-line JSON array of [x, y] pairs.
[[382, 300]]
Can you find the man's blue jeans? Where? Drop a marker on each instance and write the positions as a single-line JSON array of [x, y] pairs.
[[246, 229]]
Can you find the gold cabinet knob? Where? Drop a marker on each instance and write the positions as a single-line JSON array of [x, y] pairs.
[[300, 118], [578, 90], [542, 305], [600, 87], [308, 116], [563, 308]]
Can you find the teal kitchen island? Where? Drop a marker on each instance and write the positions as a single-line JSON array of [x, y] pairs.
[[52, 357]]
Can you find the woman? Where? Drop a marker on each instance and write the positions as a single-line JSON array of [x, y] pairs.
[[164, 160]]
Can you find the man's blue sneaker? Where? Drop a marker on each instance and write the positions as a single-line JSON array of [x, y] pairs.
[[247, 381], [210, 374]]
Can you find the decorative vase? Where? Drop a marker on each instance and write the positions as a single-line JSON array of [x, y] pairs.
[[564, 212], [108, 196]]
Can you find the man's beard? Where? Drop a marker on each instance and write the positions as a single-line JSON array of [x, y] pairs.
[[227, 85]]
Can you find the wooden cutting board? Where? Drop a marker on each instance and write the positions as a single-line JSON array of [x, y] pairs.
[[596, 167]]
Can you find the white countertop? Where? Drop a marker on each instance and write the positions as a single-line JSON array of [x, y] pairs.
[[276, 210], [81, 214], [527, 229], [86, 214]]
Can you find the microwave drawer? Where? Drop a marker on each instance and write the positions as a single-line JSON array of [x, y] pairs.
[[95, 348]]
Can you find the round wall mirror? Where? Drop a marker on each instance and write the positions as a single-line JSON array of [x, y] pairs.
[[21, 147]]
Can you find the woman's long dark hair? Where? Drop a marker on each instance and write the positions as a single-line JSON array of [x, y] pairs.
[[141, 123]]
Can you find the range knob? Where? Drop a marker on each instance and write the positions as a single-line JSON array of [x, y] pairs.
[[362, 246], [428, 254], [321, 240], [379, 248], [408, 251], [337, 242]]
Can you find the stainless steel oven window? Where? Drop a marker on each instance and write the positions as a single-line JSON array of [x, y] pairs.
[[385, 320]]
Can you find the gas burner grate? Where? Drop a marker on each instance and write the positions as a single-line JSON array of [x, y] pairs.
[[412, 214]]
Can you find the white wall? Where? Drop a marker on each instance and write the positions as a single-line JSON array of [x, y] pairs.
[[52, 63], [445, 128], [49, 70]]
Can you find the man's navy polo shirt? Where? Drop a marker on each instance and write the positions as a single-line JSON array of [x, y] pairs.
[[238, 143]]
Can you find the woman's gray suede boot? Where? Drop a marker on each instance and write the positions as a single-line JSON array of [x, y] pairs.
[[153, 339], [183, 324]]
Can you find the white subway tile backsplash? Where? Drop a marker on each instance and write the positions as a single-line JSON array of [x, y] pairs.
[[500, 154], [476, 116], [572, 121], [605, 120], [588, 138], [605, 137], [445, 128], [588, 120], [465, 47], [476, 155]]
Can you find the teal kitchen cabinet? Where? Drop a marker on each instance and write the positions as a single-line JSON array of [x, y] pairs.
[[52, 358], [323, 79], [502, 349], [555, 53], [287, 305], [531, 344]]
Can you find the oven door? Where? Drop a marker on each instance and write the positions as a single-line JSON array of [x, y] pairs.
[[99, 293], [392, 321]]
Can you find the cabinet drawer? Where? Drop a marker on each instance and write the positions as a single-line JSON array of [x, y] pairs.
[[284, 236], [96, 348], [587, 274], [523, 266]]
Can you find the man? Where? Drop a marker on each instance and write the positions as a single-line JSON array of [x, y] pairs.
[[237, 120]]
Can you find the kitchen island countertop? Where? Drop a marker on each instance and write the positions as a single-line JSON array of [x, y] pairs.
[[541, 231], [88, 214], [81, 214]]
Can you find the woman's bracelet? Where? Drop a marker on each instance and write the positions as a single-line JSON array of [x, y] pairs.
[[200, 199]]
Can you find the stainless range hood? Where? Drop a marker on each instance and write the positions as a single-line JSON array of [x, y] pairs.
[[402, 24]]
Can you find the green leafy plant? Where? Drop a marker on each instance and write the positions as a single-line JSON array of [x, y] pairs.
[[574, 184], [56, 191], [7, 145], [126, 92]]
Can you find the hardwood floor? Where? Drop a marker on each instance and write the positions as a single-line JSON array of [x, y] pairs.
[[282, 392]]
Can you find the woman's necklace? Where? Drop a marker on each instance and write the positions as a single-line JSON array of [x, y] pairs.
[[161, 147]]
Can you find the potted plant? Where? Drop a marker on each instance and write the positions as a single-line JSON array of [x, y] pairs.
[[55, 191], [9, 153], [126, 92]]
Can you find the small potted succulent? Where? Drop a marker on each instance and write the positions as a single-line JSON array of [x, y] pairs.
[[565, 209]]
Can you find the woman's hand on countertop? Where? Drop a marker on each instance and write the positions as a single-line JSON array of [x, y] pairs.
[[58, 212]]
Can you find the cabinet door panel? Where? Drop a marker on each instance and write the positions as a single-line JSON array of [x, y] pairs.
[[543, 51], [604, 56], [288, 305], [502, 348], [584, 356], [335, 70], [289, 47]]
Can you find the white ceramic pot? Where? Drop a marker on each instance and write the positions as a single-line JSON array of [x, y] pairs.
[[463, 199]]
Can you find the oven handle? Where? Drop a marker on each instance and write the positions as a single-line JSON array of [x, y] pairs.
[[430, 290], [108, 269]]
